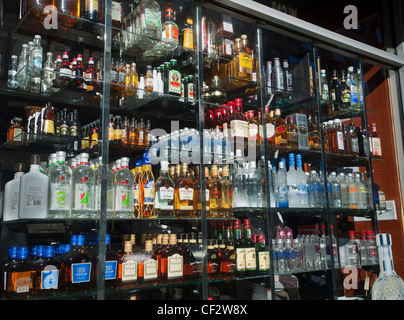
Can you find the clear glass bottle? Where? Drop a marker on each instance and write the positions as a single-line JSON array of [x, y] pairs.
[[60, 188], [22, 76], [48, 75], [169, 33], [12, 81], [282, 187], [149, 25], [325, 95], [83, 188], [124, 182], [353, 250], [36, 65], [388, 286]]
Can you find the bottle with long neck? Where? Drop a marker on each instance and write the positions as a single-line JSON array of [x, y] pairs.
[[388, 286], [147, 187]]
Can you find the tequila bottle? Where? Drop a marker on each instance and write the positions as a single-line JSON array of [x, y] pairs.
[[388, 286], [60, 188], [83, 186], [124, 181]]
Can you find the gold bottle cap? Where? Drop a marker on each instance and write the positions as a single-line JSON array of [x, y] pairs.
[[277, 112], [184, 167], [225, 171], [133, 238], [243, 37], [128, 246], [173, 239], [149, 245]]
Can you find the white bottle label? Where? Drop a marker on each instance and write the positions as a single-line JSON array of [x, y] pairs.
[[129, 271], [150, 269], [34, 196], [186, 193], [240, 259], [175, 266]]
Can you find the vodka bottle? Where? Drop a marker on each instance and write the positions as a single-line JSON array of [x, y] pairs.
[[308, 252], [297, 256], [334, 248], [388, 286], [301, 182], [289, 251], [83, 189], [48, 75], [22, 76], [282, 187], [33, 203], [255, 192], [353, 250], [36, 65], [12, 82], [315, 192], [323, 249], [363, 250], [280, 251], [336, 190], [60, 188], [353, 192], [124, 193], [344, 190], [315, 240], [272, 198], [361, 97], [371, 248], [12, 196], [292, 183], [362, 192], [277, 76]]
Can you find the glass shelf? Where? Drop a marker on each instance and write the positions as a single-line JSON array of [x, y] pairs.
[[289, 101]]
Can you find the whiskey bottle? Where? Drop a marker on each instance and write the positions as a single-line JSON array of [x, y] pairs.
[[244, 62], [352, 140], [335, 88], [250, 251], [172, 262], [190, 263], [128, 268], [213, 261], [262, 251], [77, 267], [147, 187], [49, 118], [228, 262], [270, 126], [227, 194], [47, 280], [148, 266], [164, 203], [215, 194], [292, 134], [92, 10], [14, 132], [281, 138], [314, 134], [184, 195], [188, 33], [239, 247]]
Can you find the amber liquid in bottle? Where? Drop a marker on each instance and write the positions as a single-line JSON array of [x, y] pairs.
[[215, 193], [49, 120], [148, 266], [244, 62], [184, 195], [172, 262], [228, 264], [293, 134], [128, 267], [281, 132], [148, 188], [227, 194]]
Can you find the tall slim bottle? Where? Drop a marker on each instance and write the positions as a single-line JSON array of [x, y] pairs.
[[83, 186], [124, 194], [148, 187]]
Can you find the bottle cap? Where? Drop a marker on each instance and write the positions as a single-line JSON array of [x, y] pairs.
[[12, 252], [22, 253], [35, 159], [49, 252]]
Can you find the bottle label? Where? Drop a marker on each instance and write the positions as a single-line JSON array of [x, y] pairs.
[[270, 132], [92, 5], [123, 197], [191, 92], [150, 269], [376, 147], [240, 259], [82, 194], [263, 260], [149, 192], [174, 77], [239, 128], [116, 11], [167, 193], [129, 271], [110, 270], [49, 127], [152, 19], [340, 140], [136, 194], [175, 267], [22, 281], [253, 131], [81, 272], [170, 32], [34, 196], [250, 259], [49, 278], [245, 61], [188, 38], [60, 195], [186, 193]]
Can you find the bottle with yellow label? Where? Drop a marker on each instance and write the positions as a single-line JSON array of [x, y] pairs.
[[188, 33], [244, 61], [147, 187], [49, 120]]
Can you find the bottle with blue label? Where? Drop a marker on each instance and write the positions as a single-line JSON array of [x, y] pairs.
[[78, 271], [111, 265], [47, 276]]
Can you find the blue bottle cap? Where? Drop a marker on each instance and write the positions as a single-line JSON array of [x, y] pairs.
[[39, 251], [80, 240], [49, 252], [33, 250], [12, 252], [73, 240], [22, 253], [139, 163], [66, 248]]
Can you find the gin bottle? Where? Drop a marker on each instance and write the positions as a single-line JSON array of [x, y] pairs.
[[388, 286], [48, 75], [83, 186], [22, 76], [12, 82], [36, 65], [124, 194], [60, 188]]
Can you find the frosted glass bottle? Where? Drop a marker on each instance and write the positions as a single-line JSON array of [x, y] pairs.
[[60, 188], [12, 196], [33, 203]]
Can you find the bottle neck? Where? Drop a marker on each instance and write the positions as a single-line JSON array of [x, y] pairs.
[[386, 260]]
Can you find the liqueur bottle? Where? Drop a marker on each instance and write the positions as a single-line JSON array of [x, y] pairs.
[[147, 187], [184, 195], [388, 286], [148, 266], [172, 262], [174, 79], [77, 267], [215, 193], [164, 203], [128, 267]]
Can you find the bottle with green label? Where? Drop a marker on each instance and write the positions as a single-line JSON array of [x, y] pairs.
[[60, 188], [174, 79]]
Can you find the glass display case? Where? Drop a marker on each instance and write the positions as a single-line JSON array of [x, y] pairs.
[[178, 150]]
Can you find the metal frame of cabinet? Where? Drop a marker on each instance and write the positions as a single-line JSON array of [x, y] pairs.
[[259, 22]]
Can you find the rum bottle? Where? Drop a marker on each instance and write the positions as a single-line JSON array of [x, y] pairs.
[[164, 203]]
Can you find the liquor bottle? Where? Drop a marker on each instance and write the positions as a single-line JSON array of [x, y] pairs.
[[336, 197], [172, 262], [335, 88], [301, 183], [287, 76], [60, 188], [250, 251], [138, 193], [169, 34], [77, 267], [281, 138], [174, 79], [147, 187], [243, 61], [388, 286], [363, 253], [65, 73], [92, 10], [339, 137], [361, 96], [33, 198], [79, 74], [345, 90], [35, 66], [184, 194], [353, 250], [20, 276], [352, 141], [48, 75], [227, 194], [12, 81], [12, 195], [117, 14], [240, 250], [228, 264], [238, 126], [148, 266], [48, 280], [270, 126], [128, 267], [292, 133], [277, 76], [215, 192], [353, 192], [192, 258], [164, 203], [124, 181], [83, 189], [213, 262], [149, 28], [188, 33], [376, 146], [15, 131], [111, 264], [353, 85], [325, 95], [371, 248]]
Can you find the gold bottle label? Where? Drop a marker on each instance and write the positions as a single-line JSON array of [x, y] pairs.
[[49, 127], [245, 61]]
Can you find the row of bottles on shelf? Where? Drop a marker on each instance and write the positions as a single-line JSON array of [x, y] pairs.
[[347, 93], [312, 251]]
